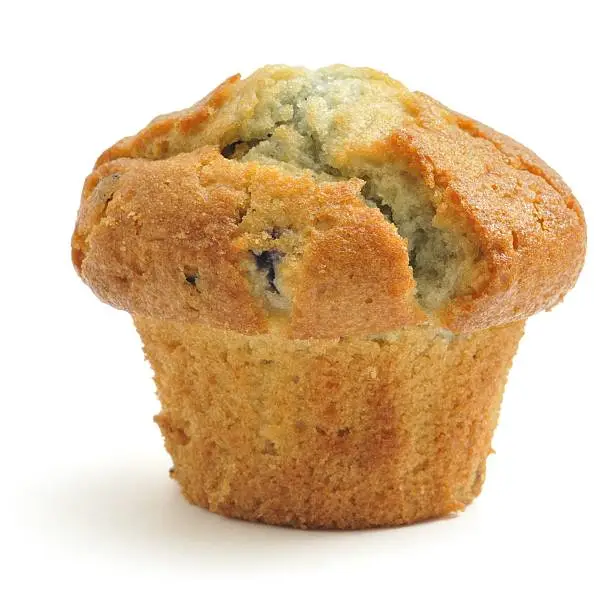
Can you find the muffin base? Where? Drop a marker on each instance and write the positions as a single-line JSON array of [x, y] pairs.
[[347, 433]]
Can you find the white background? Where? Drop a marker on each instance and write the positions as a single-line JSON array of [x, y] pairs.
[[88, 517]]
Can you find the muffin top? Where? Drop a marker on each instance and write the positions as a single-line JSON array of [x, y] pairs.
[[320, 204]]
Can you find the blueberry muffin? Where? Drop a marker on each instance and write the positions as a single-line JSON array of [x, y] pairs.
[[330, 275]]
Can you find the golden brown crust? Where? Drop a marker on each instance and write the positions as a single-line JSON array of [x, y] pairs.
[[526, 225], [165, 135], [139, 238], [338, 293], [334, 434], [153, 230]]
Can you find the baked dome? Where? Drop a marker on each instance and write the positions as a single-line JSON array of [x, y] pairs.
[[326, 203]]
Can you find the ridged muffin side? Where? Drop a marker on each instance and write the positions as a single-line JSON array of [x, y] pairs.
[[349, 433]]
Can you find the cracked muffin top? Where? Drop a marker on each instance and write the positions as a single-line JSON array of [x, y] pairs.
[[320, 204]]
